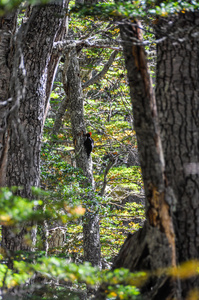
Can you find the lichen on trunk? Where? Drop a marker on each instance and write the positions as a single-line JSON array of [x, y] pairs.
[[73, 89], [29, 91]]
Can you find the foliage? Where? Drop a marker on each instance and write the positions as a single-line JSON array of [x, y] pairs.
[[12, 212], [108, 115], [134, 9], [60, 270], [116, 224], [52, 268], [119, 284], [12, 208], [116, 220], [110, 9], [8, 5]]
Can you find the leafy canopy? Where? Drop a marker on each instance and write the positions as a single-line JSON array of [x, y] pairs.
[[135, 9]]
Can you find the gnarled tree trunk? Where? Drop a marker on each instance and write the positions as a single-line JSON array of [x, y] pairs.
[[32, 73], [153, 246], [170, 234]]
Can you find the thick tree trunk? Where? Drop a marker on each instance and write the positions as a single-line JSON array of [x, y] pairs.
[[158, 193], [153, 246], [170, 234], [177, 94], [32, 74], [73, 89]]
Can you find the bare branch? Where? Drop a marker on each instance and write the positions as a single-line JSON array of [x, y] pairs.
[[111, 163], [89, 43], [103, 72]]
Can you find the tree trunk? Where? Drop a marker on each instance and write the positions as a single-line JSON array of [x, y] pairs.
[[32, 74], [7, 29], [170, 234], [73, 89], [177, 94]]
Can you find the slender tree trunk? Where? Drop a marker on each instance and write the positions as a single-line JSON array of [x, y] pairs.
[[72, 84], [7, 29], [32, 74], [65, 103]]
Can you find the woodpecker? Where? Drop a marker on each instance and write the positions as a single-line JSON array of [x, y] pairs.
[[88, 143]]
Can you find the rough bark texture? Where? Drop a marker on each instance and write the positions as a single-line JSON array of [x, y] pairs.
[[77, 117], [32, 73], [72, 84], [178, 109], [148, 136], [153, 246], [170, 235], [59, 116], [7, 29]]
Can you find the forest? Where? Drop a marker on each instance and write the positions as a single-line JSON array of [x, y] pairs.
[[99, 149]]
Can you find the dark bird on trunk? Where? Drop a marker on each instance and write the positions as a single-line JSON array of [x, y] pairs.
[[88, 143]]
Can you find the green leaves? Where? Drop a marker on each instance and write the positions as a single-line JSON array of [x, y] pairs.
[[126, 177], [118, 220], [170, 7], [118, 284], [57, 269], [134, 9], [14, 209], [8, 5]]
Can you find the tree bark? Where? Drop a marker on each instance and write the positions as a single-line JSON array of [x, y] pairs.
[[149, 144], [72, 85], [64, 104], [7, 29], [32, 74], [177, 93], [170, 234], [153, 246]]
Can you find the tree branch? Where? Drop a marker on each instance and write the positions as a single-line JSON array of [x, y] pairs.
[[103, 72], [108, 167], [63, 46]]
